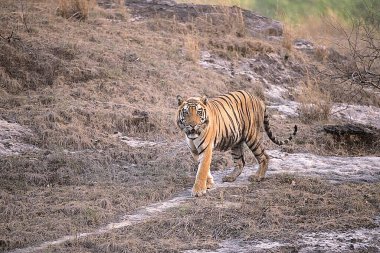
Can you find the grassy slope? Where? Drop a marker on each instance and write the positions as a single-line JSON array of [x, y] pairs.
[[77, 83]]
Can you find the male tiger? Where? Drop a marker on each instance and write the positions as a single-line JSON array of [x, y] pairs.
[[222, 123]]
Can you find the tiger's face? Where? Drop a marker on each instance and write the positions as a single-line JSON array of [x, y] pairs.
[[192, 116]]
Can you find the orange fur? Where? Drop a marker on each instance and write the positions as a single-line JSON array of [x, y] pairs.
[[225, 122]]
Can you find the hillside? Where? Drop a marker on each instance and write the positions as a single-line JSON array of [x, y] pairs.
[[88, 134]]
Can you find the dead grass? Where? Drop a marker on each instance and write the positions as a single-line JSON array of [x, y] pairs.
[[280, 208], [232, 47], [288, 37], [234, 19], [315, 102], [75, 9], [313, 139], [25, 66], [44, 197], [331, 48], [75, 84], [191, 47]]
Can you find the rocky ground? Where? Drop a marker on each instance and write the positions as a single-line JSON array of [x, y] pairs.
[[91, 160]]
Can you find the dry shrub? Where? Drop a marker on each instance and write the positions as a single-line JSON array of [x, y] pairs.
[[111, 9], [315, 28], [360, 45], [287, 40], [315, 103], [79, 129], [232, 47], [78, 9], [258, 90], [321, 53], [289, 31], [26, 66], [233, 18], [8, 83], [191, 47], [223, 17]]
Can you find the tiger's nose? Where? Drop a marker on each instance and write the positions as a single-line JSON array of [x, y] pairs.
[[192, 131]]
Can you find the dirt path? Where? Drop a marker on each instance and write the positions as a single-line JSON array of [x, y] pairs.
[[332, 168], [361, 239]]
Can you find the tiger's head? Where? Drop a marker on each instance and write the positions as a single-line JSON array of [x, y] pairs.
[[192, 116]]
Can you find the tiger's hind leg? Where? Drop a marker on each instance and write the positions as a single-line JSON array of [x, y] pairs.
[[262, 158], [238, 157]]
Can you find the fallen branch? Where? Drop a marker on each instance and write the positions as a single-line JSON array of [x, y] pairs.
[[9, 38], [24, 17]]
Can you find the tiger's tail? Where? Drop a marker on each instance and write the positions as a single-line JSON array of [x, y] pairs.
[[270, 134]]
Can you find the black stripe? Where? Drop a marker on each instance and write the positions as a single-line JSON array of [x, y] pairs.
[[240, 109], [229, 117], [199, 153], [259, 155], [233, 110], [234, 154], [270, 134], [255, 148], [222, 143], [205, 135], [217, 123], [230, 141], [255, 143], [246, 110]]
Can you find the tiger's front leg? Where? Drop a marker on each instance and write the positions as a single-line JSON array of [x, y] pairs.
[[203, 173]]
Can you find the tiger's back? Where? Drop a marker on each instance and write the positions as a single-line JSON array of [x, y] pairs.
[[237, 116]]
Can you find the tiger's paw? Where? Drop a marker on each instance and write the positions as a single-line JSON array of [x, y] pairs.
[[255, 178], [210, 183], [229, 178], [199, 190]]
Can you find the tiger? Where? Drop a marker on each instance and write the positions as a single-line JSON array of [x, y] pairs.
[[226, 122]]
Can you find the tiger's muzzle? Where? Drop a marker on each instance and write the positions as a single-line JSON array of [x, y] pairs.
[[192, 132]]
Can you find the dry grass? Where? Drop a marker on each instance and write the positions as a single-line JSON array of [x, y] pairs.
[[75, 9], [234, 18], [46, 197], [232, 47], [313, 139], [315, 102], [317, 29], [322, 53], [280, 208], [329, 34], [75, 84], [288, 37], [191, 47]]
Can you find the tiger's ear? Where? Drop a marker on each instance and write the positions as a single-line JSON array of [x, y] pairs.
[[180, 100], [204, 99]]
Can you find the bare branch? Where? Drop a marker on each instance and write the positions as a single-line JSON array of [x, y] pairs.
[[362, 67], [10, 37], [24, 16]]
